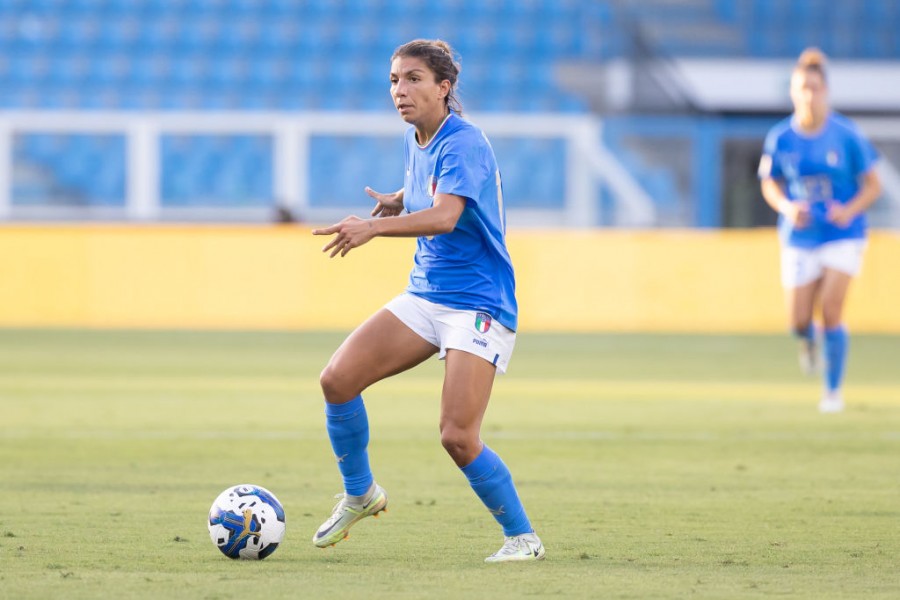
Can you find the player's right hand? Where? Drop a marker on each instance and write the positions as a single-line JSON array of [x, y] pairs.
[[797, 213], [386, 205], [352, 232]]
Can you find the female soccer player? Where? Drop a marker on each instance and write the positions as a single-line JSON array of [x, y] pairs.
[[460, 301], [817, 171]]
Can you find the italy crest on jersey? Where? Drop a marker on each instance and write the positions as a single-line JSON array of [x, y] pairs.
[[482, 322], [432, 185]]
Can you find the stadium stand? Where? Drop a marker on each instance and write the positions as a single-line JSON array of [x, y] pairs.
[[292, 55]]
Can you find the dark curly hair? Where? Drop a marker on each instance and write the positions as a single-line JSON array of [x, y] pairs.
[[438, 56]]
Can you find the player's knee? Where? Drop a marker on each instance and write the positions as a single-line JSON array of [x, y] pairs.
[[800, 329], [832, 312], [831, 316], [334, 385], [460, 444], [800, 324]]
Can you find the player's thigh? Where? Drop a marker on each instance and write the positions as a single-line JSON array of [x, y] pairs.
[[801, 273], [382, 346], [468, 380], [835, 285], [842, 260], [801, 301]]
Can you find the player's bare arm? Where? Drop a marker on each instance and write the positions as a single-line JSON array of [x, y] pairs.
[[353, 232], [795, 212], [440, 218], [843, 214]]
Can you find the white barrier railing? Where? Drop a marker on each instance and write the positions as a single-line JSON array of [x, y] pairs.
[[588, 162]]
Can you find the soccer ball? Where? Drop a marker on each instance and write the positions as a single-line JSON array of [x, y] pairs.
[[246, 521]]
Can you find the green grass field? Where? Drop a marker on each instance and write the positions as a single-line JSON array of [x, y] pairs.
[[652, 467]]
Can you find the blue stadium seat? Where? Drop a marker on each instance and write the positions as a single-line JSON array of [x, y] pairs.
[[880, 11], [43, 6], [344, 165], [119, 33], [333, 55], [279, 37], [532, 171], [216, 170], [80, 169], [877, 42]]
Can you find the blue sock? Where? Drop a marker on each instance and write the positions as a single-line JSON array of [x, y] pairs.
[[348, 429], [492, 482], [836, 343]]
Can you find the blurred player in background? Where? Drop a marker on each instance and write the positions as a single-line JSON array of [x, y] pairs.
[[817, 171], [460, 301]]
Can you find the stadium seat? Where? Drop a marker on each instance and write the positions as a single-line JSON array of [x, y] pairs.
[[333, 55]]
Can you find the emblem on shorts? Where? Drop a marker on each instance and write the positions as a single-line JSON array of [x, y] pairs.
[[482, 322]]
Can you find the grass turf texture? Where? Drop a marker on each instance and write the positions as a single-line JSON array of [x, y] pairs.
[[652, 466]]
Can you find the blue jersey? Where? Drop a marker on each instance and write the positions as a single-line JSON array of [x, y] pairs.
[[821, 168], [468, 268]]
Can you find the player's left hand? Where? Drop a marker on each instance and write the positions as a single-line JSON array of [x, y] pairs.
[[351, 232], [840, 214], [386, 205]]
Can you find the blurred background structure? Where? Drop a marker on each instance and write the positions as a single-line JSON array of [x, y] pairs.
[[603, 112]]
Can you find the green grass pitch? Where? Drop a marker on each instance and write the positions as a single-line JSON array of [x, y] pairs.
[[653, 466]]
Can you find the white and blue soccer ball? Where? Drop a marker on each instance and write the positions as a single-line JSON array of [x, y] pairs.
[[246, 521]]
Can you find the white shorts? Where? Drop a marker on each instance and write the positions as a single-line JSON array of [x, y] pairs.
[[800, 266], [471, 331]]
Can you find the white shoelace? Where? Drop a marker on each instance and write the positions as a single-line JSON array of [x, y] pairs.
[[513, 545], [337, 511]]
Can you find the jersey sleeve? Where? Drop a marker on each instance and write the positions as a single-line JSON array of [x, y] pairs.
[[862, 153], [769, 166], [459, 170]]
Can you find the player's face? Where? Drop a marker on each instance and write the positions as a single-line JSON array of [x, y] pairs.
[[809, 94], [417, 95]]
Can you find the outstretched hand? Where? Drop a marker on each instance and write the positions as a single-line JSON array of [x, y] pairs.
[[840, 214], [349, 233], [386, 205]]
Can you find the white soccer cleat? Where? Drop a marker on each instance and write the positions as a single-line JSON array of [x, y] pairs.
[[831, 402], [526, 546], [809, 357], [344, 515]]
